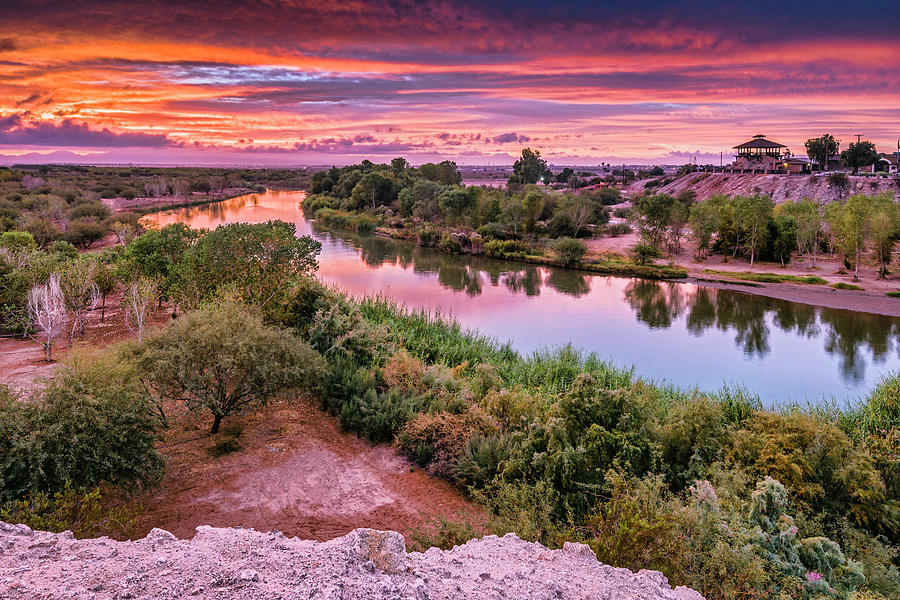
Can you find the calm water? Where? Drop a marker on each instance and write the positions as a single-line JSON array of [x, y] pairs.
[[686, 334]]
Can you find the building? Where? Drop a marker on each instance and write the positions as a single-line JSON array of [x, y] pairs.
[[761, 155], [795, 165], [887, 163]]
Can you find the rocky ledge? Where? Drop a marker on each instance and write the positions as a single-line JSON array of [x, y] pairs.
[[364, 564]]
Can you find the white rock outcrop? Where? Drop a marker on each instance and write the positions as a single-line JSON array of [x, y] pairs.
[[243, 564]]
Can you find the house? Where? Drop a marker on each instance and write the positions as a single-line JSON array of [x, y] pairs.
[[795, 165], [760, 154], [887, 163]]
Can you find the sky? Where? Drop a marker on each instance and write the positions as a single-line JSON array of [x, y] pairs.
[[284, 82]]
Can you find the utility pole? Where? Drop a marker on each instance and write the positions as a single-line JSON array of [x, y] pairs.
[[858, 138]]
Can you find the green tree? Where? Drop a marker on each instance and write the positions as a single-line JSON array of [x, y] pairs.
[[755, 211], [532, 205], [257, 261], [704, 222], [372, 190], [808, 218], [820, 149], [223, 359], [849, 224], [444, 173], [653, 215], [529, 168], [861, 154], [883, 226], [783, 237], [456, 202]]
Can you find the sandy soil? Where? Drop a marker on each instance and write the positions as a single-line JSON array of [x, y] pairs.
[[296, 472]]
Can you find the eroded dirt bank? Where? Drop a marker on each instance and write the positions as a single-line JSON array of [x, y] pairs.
[[365, 564]]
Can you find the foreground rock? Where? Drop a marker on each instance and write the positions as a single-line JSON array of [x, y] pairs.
[[365, 564]]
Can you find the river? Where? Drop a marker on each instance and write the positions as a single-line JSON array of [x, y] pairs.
[[685, 334]]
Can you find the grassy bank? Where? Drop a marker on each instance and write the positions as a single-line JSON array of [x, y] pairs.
[[766, 277]]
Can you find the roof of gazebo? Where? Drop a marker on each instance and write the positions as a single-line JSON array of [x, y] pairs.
[[760, 141]]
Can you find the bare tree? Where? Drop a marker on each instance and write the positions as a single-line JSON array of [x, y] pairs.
[[47, 312], [181, 187], [80, 291], [139, 298]]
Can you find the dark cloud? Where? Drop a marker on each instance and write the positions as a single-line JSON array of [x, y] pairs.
[[16, 131], [508, 138], [444, 31], [7, 45]]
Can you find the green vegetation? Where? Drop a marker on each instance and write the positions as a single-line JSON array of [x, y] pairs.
[[893, 294], [767, 277], [846, 286], [711, 489], [428, 204]]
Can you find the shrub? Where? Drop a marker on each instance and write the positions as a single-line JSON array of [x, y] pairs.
[[569, 251], [634, 527], [494, 231], [818, 464], [86, 512], [846, 286], [436, 441], [643, 254], [617, 229], [480, 461], [404, 371], [428, 237], [92, 423], [17, 241], [507, 249], [449, 244], [84, 233]]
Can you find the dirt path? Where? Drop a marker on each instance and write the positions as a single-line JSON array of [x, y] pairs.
[[295, 472]]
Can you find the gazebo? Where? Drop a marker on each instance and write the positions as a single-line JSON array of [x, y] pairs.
[[759, 154]]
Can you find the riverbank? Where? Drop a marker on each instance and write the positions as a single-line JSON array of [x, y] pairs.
[[146, 206], [821, 282]]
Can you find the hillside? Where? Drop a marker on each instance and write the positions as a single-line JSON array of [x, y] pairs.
[[780, 187], [365, 564]]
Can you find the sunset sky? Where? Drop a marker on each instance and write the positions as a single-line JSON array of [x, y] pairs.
[[305, 82]]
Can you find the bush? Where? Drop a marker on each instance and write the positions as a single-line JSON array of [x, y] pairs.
[[569, 251], [436, 441], [428, 237], [17, 241], [449, 244], [643, 254], [494, 231], [86, 512], [507, 249], [92, 423], [404, 371], [818, 464], [617, 229], [84, 233]]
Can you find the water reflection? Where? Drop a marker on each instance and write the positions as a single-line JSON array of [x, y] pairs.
[[850, 336], [687, 334]]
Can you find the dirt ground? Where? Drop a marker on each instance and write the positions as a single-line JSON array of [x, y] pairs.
[[295, 471]]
